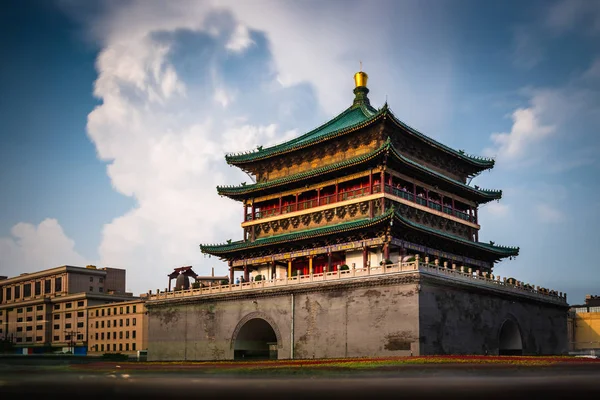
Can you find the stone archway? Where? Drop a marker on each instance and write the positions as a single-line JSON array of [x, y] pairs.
[[510, 342], [255, 337]]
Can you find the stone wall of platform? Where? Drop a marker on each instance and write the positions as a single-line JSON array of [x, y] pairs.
[[383, 316], [462, 319]]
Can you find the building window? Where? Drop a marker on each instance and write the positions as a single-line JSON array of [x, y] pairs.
[[40, 308], [115, 311], [19, 340], [80, 336], [127, 322], [91, 279], [91, 288], [96, 335], [97, 323], [102, 324], [120, 346], [126, 346], [108, 323], [27, 290], [68, 315], [29, 339], [38, 288], [17, 292], [67, 326], [19, 329], [101, 280], [127, 310], [114, 347], [121, 335], [80, 314], [56, 326], [133, 346], [134, 309], [8, 293], [29, 309], [57, 306], [20, 319], [29, 319], [101, 289], [133, 334], [103, 312], [126, 334], [120, 322], [38, 339], [39, 317], [19, 311], [47, 286], [29, 328], [101, 347], [102, 336], [56, 316], [108, 311], [133, 321], [80, 324], [68, 305], [56, 338], [80, 303], [39, 327], [120, 310], [58, 284], [0, 313], [114, 335]]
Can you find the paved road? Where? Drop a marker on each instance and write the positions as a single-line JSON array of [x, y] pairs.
[[487, 383]]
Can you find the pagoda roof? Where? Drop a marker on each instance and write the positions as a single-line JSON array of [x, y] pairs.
[[239, 192], [357, 116], [494, 251]]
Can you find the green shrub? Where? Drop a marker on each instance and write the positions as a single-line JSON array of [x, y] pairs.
[[196, 285], [258, 278], [344, 267], [386, 262], [225, 282]]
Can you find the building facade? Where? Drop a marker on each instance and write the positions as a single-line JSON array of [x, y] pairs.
[[584, 327], [47, 310], [118, 328], [366, 231]]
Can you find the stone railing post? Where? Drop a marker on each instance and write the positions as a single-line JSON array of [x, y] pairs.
[[436, 262], [427, 260], [446, 264], [417, 261], [470, 271]]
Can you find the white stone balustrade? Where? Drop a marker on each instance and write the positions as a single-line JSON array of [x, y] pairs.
[[358, 273]]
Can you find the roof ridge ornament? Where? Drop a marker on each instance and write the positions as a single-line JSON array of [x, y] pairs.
[[360, 90]]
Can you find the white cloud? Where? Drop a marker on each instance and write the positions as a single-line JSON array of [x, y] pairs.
[[31, 248], [497, 209], [222, 97], [526, 131], [240, 39], [548, 213], [569, 14]]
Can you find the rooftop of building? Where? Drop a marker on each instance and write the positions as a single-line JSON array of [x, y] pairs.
[[359, 115], [90, 270]]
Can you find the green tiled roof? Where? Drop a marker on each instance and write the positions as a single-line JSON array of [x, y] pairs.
[[245, 189], [288, 237], [353, 117], [223, 249], [504, 251], [479, 161]]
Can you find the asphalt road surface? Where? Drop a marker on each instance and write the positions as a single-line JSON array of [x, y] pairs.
[[414, 383]]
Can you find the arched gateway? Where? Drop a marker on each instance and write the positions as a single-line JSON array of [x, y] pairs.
[[510, 343], [255, 337]]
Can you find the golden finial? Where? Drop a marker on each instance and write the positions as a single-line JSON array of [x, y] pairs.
[[360, 78]]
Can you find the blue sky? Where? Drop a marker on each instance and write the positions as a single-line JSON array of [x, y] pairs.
[[115, 117]]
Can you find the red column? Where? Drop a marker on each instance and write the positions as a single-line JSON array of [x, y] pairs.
[[476, 217], [296, 201], [442, 202], [386, 251], [329, 260], [253, 210], [246, 274], [365, 257], [371, 182], [318, 197], [280, 204], [336, 192], [230, 273], [414, 192], [169, 284], [273, 269], [245, 211]]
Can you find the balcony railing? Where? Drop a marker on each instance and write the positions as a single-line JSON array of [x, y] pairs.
[[356, 193], [493, 282]]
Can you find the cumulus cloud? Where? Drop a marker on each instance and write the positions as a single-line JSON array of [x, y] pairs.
[[31, 248], [168, 75]]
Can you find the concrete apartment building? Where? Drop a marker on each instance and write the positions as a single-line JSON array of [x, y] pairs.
[[47, 310], [118, 328]]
